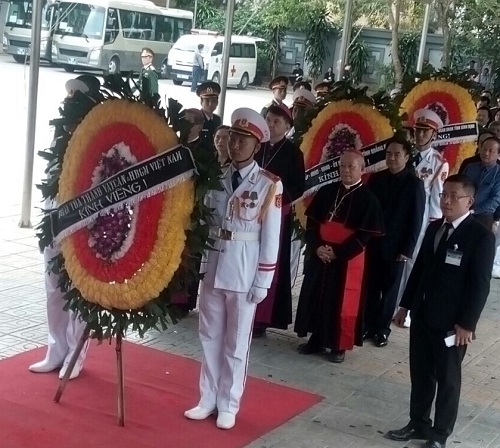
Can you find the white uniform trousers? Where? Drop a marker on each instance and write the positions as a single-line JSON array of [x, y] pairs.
[[226, 319], [65, 329], [496, 264]]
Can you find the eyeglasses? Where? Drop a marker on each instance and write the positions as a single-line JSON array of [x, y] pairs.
[[452, 197], [146, 56]]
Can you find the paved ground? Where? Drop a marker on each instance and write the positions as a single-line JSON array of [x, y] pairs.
[[364, 397]]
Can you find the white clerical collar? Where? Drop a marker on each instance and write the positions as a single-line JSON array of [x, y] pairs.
[[348, 187], [457, 221]]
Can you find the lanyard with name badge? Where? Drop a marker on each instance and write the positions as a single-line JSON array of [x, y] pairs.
[[454, 257]]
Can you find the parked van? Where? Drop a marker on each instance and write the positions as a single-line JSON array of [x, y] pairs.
[[242, 58]]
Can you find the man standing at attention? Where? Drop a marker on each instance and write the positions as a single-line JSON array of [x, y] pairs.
[[198, 67], [148, 80], [279, 88], [341, 219], [402, 198], [209, 98], [433, 169], [445, 295], [238, 273]]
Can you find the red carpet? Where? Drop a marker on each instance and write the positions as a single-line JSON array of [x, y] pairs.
[[159, 387]]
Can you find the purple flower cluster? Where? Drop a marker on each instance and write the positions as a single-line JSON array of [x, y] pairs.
[[440, 111], [340, 141], [108, 232]]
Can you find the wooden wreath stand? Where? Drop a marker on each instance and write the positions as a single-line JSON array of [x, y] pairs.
[[119, 367]]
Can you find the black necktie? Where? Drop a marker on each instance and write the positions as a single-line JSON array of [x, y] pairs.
[[444, 237], [235, 180], [417, 159]]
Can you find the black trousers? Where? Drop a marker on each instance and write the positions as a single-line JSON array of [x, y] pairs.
[[433, 364], [383, 280]]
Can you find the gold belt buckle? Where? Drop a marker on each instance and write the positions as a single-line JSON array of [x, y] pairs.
[[225, 234]]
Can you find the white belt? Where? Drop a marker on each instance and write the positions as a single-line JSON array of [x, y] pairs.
[[224, 234]]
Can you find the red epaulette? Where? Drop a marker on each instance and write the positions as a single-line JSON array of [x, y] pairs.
[[269, 175]]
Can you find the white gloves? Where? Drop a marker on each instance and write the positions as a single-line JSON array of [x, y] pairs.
[[256, 294]]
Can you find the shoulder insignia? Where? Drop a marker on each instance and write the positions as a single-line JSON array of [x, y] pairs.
[[269, 175], [278, 200], [440, 156]]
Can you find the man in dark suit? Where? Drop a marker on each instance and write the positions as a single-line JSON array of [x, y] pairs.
[[402, 198], [445, 295]]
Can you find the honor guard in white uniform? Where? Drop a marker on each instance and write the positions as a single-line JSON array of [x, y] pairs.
[[245, 225], [433, 169], [65, 329]]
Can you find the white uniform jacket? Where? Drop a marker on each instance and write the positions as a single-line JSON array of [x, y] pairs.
[[433, 169], [246, 228]]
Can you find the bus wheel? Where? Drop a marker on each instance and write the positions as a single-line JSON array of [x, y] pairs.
[[19, 59], [69, 68], [163, 70], [114, 66], [243, 82], [216, 78], [177, 82]]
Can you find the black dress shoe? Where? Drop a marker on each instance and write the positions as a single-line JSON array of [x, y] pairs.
[[337, 356], [433, 444], [407, 433], [380, 340], [368, 335], [258, 333], [309, 349]]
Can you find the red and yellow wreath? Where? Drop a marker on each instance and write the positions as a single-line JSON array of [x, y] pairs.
[[127, 257], [124, 264], [339, 126], [453, 104]]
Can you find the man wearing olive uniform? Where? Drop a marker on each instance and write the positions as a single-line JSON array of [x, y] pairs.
[[209, 98], [148, 79]]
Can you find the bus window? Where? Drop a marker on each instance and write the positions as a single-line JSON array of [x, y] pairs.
[[111, 26], [138, 25], [181, 27], [20, 13], [77, 19]]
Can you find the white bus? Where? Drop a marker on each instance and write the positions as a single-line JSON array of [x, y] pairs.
[[242, 58], [109, 35], [16, 38]]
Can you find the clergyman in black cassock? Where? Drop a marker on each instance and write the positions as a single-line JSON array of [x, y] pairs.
[[286, 161], [330, 303]]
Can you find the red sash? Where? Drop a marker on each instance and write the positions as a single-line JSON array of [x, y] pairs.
[[337, 233]]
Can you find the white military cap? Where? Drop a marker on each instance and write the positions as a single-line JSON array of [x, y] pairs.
[[83, 83], [427, 119], [303, 97], [246, 121]]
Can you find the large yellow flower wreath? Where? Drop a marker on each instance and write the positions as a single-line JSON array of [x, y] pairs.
[[340, 125], [158, 269], [453, 103]]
